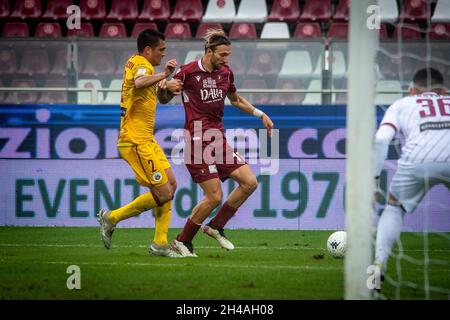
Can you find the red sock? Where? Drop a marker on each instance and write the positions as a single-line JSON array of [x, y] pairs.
[[189, 231], [225, 213]]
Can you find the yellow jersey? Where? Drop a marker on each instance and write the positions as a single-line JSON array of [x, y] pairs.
[[137, 106]]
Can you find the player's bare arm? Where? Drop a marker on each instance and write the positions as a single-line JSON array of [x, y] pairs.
[[148, 81], [167, 89], [242, 103]]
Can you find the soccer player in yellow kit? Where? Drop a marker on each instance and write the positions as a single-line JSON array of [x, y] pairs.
[[137, 145]]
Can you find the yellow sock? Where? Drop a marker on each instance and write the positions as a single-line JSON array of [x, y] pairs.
[[140, 204], [162, 221]]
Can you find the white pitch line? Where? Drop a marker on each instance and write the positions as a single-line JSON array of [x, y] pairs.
[[144, 246], [300, 247], [186, 263]]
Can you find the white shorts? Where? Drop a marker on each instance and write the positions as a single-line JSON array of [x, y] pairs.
[[412, 181]]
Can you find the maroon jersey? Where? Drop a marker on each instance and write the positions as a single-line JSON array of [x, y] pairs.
[[204, 94]]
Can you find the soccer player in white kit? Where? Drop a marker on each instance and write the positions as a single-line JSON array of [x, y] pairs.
[[424, 120]]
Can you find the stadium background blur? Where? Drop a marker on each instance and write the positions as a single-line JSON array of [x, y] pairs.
[[38, 50]]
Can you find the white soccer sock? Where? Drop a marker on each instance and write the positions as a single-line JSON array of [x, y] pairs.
[[388, 231]]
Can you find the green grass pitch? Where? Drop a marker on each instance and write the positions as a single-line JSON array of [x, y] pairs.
[[266, 264]]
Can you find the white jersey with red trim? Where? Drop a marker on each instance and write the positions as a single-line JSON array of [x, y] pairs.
[[424, 120]]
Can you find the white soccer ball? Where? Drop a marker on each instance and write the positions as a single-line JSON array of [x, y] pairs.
[[337, 244]]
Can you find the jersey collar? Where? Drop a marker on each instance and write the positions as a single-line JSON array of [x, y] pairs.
[[200, 65]]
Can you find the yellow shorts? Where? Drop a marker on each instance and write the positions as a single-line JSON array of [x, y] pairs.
[[148, 162]]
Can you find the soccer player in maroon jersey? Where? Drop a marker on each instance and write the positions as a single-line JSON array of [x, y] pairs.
[[206, 83]]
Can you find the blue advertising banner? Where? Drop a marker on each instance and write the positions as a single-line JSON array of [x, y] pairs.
[[90, 132]]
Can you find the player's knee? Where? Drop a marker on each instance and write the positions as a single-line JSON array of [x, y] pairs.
[[214, 199], [164, 198], [174, 188], [250, 185], [165, 195], [254, 185]]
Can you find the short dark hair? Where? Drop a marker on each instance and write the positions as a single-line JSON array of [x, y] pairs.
[[149, 37], [428, 78]]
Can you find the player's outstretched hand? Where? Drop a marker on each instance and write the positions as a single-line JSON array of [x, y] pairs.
[[175, 86], [170, 66], [268, 124]]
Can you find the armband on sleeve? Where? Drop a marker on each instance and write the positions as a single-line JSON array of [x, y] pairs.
[[257, 113]]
